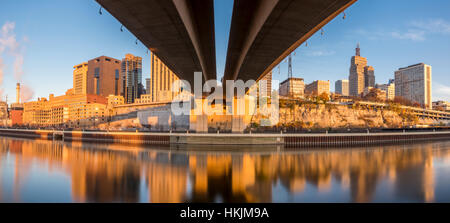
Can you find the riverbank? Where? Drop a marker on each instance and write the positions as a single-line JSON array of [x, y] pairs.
[[288, 140]]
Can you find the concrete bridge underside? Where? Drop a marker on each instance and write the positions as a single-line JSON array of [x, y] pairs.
[[180, 32], [264, 32]]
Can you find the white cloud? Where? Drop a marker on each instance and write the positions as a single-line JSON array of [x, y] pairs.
[[414, 31], [9, 43], [320, 53], [441, 92], [433, 26], [413, 35]]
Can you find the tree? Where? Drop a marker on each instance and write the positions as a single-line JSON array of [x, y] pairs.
[[403, 101], [324, 97]]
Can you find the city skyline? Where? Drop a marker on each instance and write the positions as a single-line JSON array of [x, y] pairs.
[[418, 39]]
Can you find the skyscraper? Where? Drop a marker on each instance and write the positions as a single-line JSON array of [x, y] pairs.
[[161, 81], [80, 74], [414, 83], [132, 78], [369, 77], [341, 87], [358, 72], [147, 85], [103, 77], [265, 84]]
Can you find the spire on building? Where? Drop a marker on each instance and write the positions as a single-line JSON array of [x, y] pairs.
[[358, 50]]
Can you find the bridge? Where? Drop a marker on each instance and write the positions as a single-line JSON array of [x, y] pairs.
[[180, 32], [263, 32]]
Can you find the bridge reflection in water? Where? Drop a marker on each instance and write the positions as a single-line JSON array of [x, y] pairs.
[[45, 171]]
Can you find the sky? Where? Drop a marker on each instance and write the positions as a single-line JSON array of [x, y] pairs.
[[41, 41]]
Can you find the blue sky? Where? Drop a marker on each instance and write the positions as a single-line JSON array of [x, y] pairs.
[[51, 36]]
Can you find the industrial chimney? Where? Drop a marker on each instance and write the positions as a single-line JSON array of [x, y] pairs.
[[18, 93]]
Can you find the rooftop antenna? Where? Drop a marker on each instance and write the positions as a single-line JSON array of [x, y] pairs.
[[358, 50], [290, 74], [290, 67]]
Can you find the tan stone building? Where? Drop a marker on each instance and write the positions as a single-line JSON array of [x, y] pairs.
[[80, 73], [265, 84], [70, 109], [358, 73], [161, 81], [318, 87], [292, 87], [103, 77]]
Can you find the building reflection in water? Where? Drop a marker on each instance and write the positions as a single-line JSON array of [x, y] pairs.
[[117, 173]]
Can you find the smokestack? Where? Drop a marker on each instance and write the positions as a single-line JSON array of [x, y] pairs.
[[18, 93]]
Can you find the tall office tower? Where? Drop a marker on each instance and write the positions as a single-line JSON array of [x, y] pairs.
[[80, 74], [103, 76], [265, 84], [356, 78], [369, 77], [161, 81], [414, 84], [132, 78], [147, 85], [341, 87]]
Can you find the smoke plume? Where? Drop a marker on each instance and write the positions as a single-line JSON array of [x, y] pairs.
[[9, 43]]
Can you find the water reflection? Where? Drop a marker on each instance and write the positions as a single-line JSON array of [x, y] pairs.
[[44, 171]]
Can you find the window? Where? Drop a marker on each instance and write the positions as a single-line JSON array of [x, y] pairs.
[[97, 72]]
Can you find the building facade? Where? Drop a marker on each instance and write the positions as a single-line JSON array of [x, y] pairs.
[[441, 105], [292, 87], [265, 84], [103, 77], [414, 83], [318, 87], [147, 85], [132, 78], [369, 76], [358, 71], [162, 81], [389, 89], [80, 74], [342, 87], [71, 109]]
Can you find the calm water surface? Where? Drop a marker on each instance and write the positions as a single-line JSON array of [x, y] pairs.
[[45, 171]]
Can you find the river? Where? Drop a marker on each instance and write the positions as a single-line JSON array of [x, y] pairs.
[[46, 171]]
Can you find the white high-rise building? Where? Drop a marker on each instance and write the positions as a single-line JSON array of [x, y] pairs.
[[414, 83], [389, 89]]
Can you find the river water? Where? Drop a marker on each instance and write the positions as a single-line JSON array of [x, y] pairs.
[[46, 171]]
